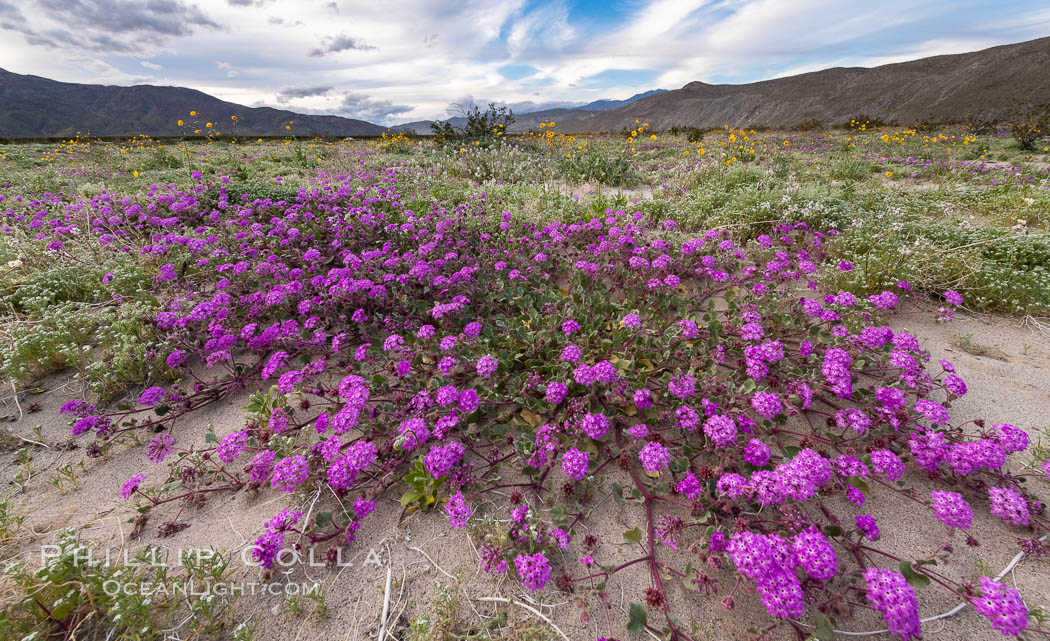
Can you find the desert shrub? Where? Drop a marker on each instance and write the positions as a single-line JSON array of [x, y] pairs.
[[997, 270], [865, 121], [696, 134], [481, 125], [92, 314], [49, 344], [1030, 124], [809, 124], [42, 289], [161, 159], [115, 348], [931, 124], [851, 169], [981, 123], [739, 177], [608, 167]]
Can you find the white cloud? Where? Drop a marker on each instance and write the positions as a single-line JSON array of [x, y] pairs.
[[228, 68], [374, 61]]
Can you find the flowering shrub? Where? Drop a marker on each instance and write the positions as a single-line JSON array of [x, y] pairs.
[[392, 350]]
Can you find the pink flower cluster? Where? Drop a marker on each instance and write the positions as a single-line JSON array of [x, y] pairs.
[[1003, 607], [889, 593]]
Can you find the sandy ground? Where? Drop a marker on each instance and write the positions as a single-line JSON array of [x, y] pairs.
[[1010, 382]]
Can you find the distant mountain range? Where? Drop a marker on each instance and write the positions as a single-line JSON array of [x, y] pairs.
[[531, 119], [32, 107], [939, 88], [607, 105]]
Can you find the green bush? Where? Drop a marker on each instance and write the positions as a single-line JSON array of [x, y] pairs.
[[481, 125], [606, 167]]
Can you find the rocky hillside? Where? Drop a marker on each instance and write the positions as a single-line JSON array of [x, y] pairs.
[[938, 89]]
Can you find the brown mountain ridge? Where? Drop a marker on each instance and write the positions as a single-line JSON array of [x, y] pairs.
[[949, 88]]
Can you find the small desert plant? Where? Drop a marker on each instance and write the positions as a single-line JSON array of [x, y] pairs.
[[1030, 125], [77, 588], [603, 166]]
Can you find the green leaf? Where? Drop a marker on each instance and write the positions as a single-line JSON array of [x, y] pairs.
[[209, 437], [824, 631], [715, 328], [832, 530], [638, 619], [62, 611], [171, 486], [915, 579], [323, 518], [410, 497], [161, 410], [860, 485], [632, 536]]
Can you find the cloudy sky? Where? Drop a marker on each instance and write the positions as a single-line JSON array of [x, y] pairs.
[[394, 61]]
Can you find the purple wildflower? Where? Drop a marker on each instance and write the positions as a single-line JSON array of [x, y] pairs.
[[574, 464], [556, 392], [951, 509], [131, 485], [160, 447], [889, 593], [533, 570], [654, 457], [487, 366], [868, 526], [1002, 606], [457, 510], [1008, 505], [289, 473]]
